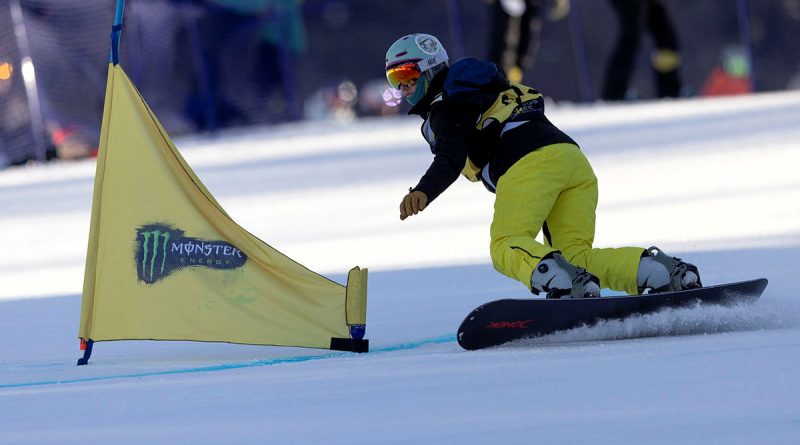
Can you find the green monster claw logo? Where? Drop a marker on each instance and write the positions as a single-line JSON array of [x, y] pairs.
[[153, 239], [161, 250]]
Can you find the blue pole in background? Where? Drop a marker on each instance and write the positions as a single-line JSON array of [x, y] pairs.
[[200, 66], [579, 54], [116, 32], [747, 40], [456, 29]]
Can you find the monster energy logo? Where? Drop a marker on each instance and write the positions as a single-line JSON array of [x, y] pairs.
[[162, 249]]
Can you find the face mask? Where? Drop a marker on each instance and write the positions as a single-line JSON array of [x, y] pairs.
[[422, 87]]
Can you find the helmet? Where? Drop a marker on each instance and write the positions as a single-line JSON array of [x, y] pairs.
[[415, 58]]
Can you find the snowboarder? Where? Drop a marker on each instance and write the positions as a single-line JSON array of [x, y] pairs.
[[479, 124]]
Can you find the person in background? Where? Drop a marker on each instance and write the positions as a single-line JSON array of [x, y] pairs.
[[515, 29], [247, 54], [488, 129], [731, 76], [636, 17]]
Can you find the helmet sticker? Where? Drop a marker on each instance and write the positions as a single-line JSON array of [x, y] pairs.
[[428, 44]]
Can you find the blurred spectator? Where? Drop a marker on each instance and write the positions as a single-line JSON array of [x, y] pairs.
[[68, 142], [731, 76], [268, 35], [333, 102], [635, 17], [515, 29]]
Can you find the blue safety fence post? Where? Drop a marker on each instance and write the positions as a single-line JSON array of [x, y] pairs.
[[200, 64], [294, 108], [579, 53], [454, 23]]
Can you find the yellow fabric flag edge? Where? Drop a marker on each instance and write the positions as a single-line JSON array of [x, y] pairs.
[[90, 273], [355, 313], [356, 297]]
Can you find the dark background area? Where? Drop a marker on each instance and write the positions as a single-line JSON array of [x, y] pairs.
[[205, 65]]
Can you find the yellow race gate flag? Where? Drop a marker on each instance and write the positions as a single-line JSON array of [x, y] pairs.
[[165, 262]]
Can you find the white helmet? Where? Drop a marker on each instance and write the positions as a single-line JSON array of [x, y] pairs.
[[414, 58]]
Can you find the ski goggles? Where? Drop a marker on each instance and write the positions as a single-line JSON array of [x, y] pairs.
[[403, 74]]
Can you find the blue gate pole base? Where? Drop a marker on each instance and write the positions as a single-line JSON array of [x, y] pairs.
[[87, 352]]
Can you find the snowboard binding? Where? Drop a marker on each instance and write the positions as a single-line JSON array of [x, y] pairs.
[[560, 279], [659, 272]]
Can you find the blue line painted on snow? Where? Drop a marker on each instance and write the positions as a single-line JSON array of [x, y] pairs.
[[416, 344], [228, 366]]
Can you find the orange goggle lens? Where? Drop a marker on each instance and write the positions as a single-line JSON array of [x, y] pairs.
[[406, 74]]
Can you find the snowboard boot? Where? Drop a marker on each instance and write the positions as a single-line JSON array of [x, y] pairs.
[[558, 278], [659, 272]]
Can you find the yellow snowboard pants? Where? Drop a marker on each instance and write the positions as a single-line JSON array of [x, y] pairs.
[[554, 187]]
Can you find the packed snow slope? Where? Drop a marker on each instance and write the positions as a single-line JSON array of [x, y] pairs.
[[713, 181]]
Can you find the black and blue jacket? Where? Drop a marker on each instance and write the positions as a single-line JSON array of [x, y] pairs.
[[479, 124]]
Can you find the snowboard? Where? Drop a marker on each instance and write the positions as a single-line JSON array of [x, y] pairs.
[[502, 321]]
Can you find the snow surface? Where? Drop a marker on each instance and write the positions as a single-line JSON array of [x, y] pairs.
[[714, 181]]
